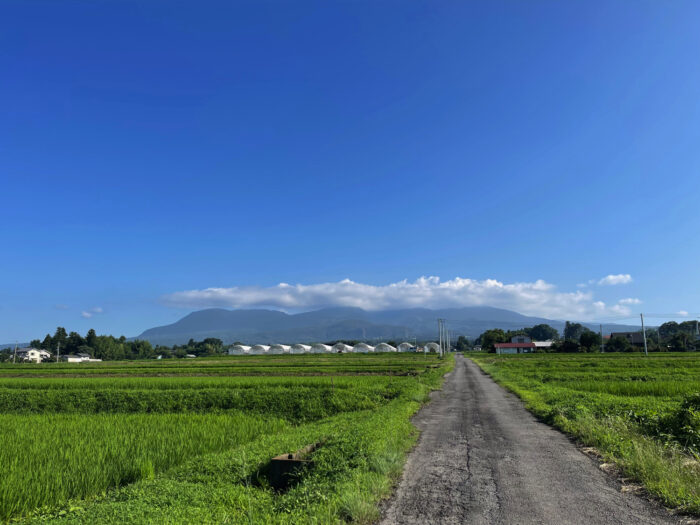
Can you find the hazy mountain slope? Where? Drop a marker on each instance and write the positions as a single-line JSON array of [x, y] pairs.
[[270, 326]]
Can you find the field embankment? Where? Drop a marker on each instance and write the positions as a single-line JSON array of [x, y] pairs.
[[642, 413], [189, 441]]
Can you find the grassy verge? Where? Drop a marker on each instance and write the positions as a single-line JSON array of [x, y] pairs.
[[634, 431]]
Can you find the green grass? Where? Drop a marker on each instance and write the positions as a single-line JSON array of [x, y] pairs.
[[642, 413], [192, 446]]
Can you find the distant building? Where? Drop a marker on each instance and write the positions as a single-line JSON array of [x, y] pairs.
[[79, 358], [519, 344], [32, 355], [520, 339], [634, 338], [543, 344]]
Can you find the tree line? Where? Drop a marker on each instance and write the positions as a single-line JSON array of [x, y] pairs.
[[669, 337], [110, 348]]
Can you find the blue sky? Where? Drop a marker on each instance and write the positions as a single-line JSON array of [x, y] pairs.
[[519, 151]]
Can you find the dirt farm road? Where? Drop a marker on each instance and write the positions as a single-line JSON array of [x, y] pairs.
[[483, 459]]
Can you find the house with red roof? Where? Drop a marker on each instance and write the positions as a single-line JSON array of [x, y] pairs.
[[519, 344]]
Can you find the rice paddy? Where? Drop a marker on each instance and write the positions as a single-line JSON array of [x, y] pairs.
[[189, 441]]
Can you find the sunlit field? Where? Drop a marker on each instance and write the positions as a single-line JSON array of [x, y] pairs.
[[189, 441]]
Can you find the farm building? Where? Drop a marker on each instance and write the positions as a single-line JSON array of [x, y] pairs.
[[321, 349], [259, 349], [432, 347], [514, 348], [300, 349], [32, 355], [78, 358], [238, 350], [362, 348], [543, 344], [279, 349], [635, 338], [385, 347], [342, 348], [406, 347]]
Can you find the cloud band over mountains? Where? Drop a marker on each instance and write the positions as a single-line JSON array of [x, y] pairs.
[[537, 298]]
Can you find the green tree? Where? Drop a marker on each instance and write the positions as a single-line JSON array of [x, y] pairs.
[[91, 338], [490, 337], [46, 344], [542, 332], [35, 343], [619, 344], [589, 339], [60, 337], [573, 331], [74, 341]]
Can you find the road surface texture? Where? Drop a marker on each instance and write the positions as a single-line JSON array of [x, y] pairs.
[[483, 459]]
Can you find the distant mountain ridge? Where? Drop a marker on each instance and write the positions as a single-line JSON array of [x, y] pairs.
[[272, 326]]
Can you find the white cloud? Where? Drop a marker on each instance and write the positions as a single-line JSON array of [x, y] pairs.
[[683, 313], [537, 298], [620, 278], [87, 314], [630, 300]]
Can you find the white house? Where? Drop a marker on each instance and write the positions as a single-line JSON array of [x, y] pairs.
[[33, 355]]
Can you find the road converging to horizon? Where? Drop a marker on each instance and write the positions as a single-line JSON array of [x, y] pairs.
[[483, 459]]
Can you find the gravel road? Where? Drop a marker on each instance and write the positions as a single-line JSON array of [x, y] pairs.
[[482, 458]]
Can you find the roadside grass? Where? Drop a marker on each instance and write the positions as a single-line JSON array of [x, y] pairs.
[[151, 464], [639, 413]]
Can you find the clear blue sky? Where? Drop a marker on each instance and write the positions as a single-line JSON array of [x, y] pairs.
[[149, 148]]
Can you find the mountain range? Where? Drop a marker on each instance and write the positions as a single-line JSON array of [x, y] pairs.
[[329, 324]]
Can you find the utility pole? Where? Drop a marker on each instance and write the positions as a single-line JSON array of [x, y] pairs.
[[644, 333], [58, 351], [602, 341], [440, 334], [14, 356]]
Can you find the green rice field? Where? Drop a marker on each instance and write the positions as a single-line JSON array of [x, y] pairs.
[[642, 413], [189, 441]]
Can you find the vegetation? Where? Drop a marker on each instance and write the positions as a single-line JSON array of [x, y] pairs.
[[188, 441], [643, 413]]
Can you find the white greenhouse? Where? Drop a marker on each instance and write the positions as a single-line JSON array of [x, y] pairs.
[[342, 348], [238, 350], [406, 347], [279, 349], [321, 349], [259, 349], [432, 347], [300, 349], [384, 347], [362, 348]]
